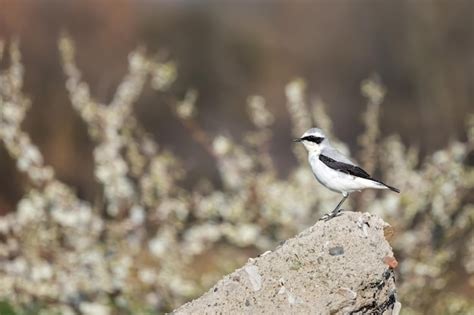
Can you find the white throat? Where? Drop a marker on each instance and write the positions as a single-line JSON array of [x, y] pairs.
[[314, 149]]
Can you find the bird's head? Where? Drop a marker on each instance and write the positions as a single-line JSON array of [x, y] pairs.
[[313, 139]]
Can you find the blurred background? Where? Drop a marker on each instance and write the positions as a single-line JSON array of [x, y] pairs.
[[229, 50], [226, 51]]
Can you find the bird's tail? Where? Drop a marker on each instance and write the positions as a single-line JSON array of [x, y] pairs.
[[392, 188], [387, 186]]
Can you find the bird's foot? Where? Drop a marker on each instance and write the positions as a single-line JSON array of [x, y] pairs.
[[330, 215]]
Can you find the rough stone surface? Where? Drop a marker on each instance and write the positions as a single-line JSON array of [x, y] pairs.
[[334, 267]]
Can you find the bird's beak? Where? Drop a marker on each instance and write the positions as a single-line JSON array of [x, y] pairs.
[[297, 140]]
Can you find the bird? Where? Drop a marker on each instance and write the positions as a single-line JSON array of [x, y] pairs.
[[334, 170]]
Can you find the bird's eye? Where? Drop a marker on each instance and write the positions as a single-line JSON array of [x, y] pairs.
[[314, 139]]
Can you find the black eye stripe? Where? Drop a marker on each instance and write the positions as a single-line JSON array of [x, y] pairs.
[[314, 139]]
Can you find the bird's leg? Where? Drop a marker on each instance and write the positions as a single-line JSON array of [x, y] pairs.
[[336, 210], [340, 203]]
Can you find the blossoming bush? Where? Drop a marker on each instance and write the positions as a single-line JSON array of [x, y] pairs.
[[152, 244]]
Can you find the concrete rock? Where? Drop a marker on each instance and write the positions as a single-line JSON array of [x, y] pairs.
[[334, 267]]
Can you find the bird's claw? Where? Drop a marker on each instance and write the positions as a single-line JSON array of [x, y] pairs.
[[330, 215]]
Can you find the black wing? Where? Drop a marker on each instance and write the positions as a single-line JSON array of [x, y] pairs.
[[352, 170], [344, 167]]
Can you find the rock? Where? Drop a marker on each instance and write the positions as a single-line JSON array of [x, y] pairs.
[[336, 251], [333, 267], [254, 277]]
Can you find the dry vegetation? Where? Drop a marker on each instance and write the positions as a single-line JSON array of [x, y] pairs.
[[151, 244]]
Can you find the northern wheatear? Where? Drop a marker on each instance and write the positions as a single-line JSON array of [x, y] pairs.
[[334, 170]]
